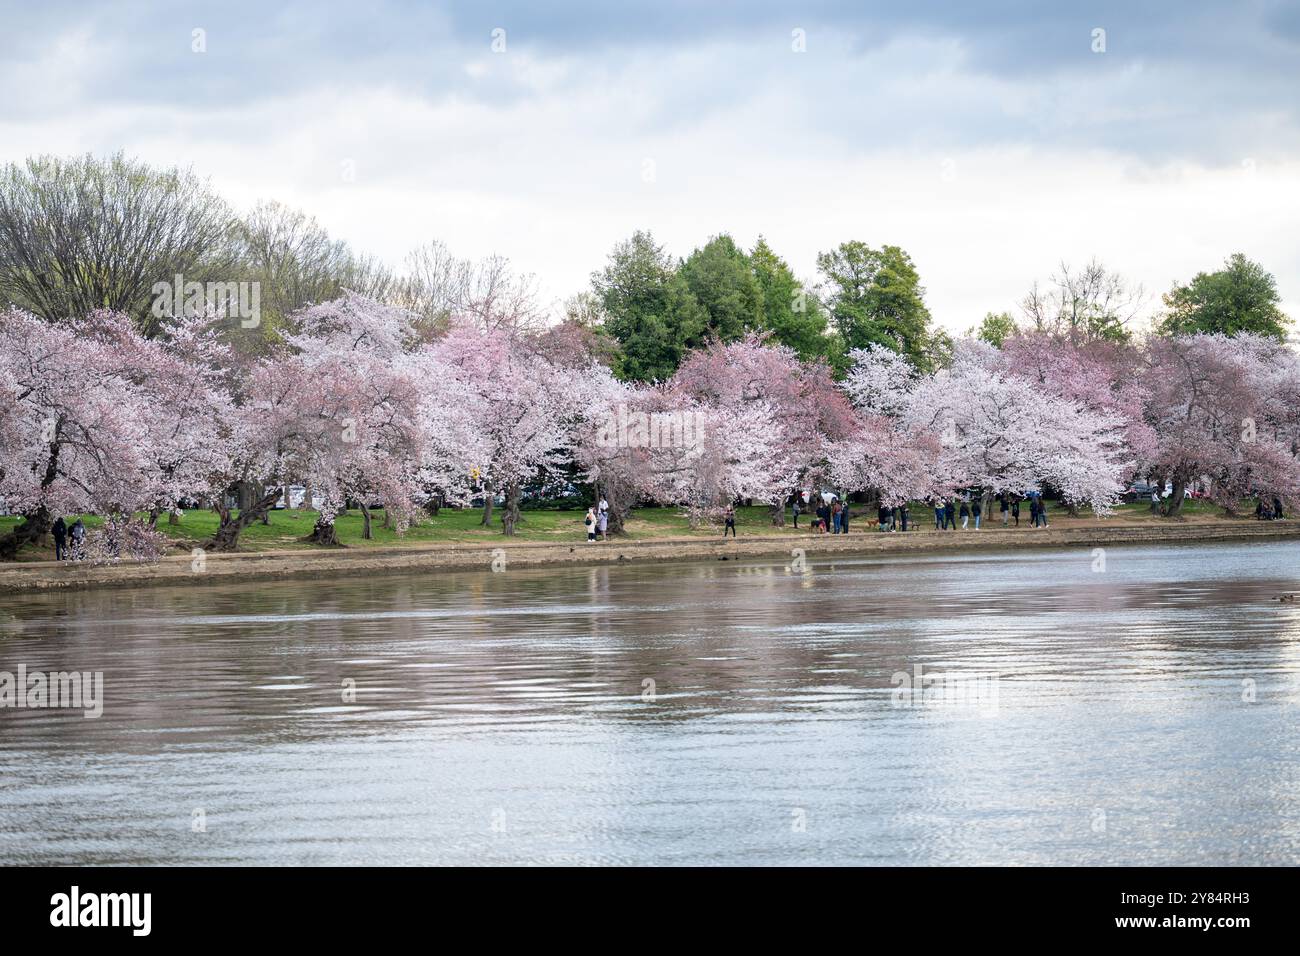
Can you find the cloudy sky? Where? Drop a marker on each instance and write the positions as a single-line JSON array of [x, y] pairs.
[[989, 139]]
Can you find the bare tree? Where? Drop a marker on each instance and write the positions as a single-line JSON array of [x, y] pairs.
[[84, 233], [1083, 305], [438, 285]]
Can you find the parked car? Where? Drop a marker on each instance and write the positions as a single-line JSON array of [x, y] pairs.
[[1138, 491], [1141, 491]]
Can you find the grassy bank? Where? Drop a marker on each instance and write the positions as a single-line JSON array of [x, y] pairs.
[[286, 529]]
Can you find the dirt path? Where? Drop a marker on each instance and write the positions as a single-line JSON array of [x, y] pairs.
[[274, 565]]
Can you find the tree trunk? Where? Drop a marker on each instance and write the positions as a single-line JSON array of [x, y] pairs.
[[324, 533], [510, 517], [36, 524], [487, 510], [366, 533], [153, 517], [1176, 498], [172, 517], [616, 521], [777, 509], [227, 534]]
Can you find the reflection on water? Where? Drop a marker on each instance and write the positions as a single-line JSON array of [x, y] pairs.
[[735, 713]]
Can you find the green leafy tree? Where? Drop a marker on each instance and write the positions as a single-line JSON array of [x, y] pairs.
[[876, 298], [1240, 297], [648, 308], [720, 278], [791, 313], [995, 328]]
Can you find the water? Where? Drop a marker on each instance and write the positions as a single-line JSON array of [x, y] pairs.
[[1147, 714]]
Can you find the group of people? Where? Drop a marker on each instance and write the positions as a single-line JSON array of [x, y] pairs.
[[597, 521], [971, 508], [1266, 510], [830, 517], [69, 540]]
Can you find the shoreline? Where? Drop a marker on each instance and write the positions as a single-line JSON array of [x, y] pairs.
[[47, 576]]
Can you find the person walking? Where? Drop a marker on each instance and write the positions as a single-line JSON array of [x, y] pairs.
[[1015, 511], [938, 515], [965, 514], [1042, 511], [1033, 511], [730, 525], [1004, 507], [77, 535], [976, 508], [949, 515], [60, 532], [590, 522]]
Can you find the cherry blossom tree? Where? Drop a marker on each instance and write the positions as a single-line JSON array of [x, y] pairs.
[[98, 418], [1101, 376], [993, 431], [356, 407], [750, 384], [521, 407], [1223, 410]]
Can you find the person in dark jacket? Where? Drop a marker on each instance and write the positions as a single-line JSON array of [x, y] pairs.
[[976, 507], [1042, 511], [1033, 512], [1015, 511], [730, 521], [949, 516], [60, 532], [1004, 507], [965, 514], [882, 515], [1277, 508], [844, 518]]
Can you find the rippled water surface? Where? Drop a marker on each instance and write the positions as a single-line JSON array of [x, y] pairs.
[[734, 713]]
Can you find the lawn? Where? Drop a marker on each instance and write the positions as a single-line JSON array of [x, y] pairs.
[[287, 528]]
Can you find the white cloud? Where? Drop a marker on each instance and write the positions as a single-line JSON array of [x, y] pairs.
[[987, 178]]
